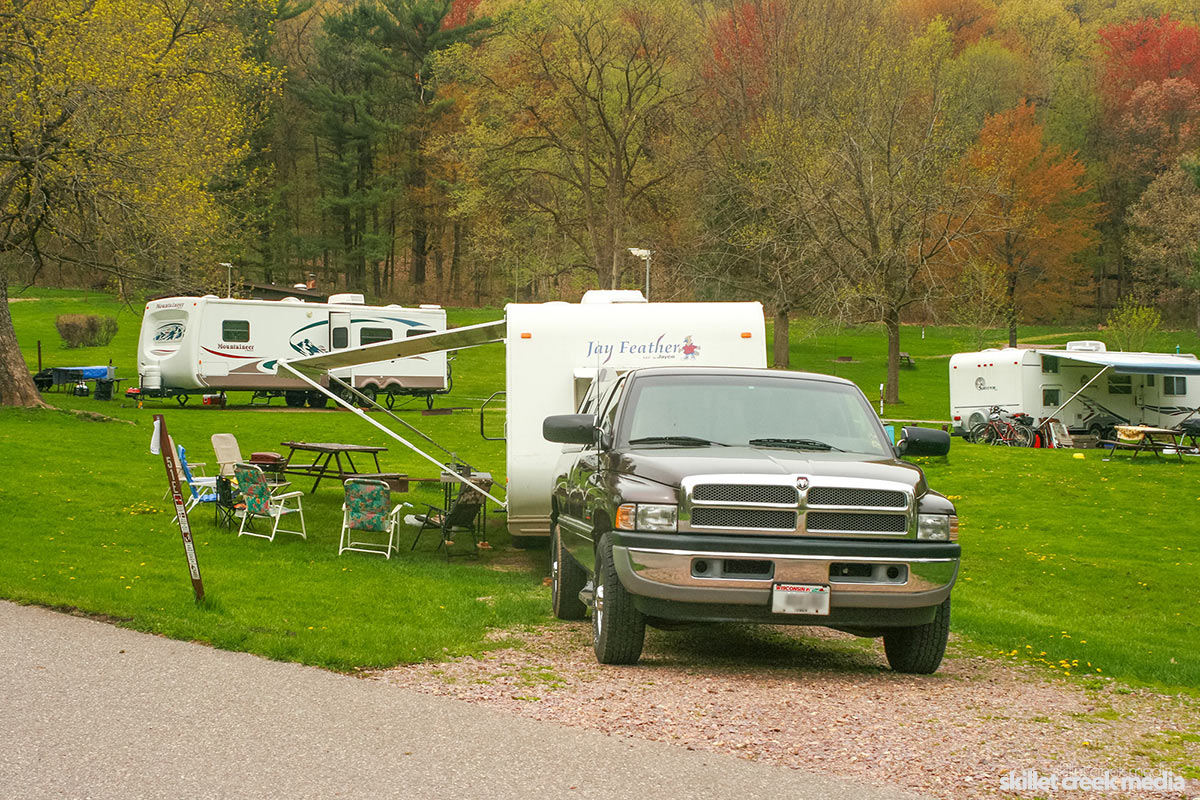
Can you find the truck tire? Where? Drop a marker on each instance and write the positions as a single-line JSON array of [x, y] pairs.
[[618, 628], [919, 649], [567, 579]]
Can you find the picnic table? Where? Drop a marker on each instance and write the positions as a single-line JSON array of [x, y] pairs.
[[1144, 438], [327, 461]]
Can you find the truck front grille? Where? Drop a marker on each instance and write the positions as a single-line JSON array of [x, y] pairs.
[[746, 518], [842, 522], [744, 493], [849, 496]]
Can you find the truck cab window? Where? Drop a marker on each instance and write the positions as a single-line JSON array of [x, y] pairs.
[[235, 330], [373, 335]]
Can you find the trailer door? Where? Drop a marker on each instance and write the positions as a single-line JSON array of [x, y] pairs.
[[339, 330]]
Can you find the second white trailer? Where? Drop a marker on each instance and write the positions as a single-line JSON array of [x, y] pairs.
[[1083, 386]]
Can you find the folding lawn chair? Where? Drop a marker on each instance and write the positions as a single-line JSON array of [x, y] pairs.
[[366, 519], [256, 491], [462, 515]]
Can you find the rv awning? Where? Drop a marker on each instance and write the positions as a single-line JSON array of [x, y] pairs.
[[1131, 363], [453, 339]]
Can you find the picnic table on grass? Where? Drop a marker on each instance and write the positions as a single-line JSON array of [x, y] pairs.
[[327, 462], [1143, 438]]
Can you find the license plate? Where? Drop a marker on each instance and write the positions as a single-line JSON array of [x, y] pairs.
[[799, 598]]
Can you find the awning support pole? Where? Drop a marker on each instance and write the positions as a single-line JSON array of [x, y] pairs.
[[389, 432], [1081, 388], [375, 403]]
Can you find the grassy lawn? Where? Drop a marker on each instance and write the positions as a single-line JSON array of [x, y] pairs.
[[1066, 560]]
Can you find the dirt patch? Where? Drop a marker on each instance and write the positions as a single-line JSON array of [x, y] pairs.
[[825, 701]]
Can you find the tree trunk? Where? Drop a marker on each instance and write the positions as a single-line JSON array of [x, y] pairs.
[[420, 224], [16, 384], [1011, 311], [891, 321], [780, 353]]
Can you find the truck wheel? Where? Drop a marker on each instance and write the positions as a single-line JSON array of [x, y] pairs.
[[919, 649], [618, 628], [567, 578]]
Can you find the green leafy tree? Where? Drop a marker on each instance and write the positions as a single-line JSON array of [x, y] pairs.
[[114, 117]]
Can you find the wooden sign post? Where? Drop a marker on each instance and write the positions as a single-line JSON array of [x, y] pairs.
[[171, 463]]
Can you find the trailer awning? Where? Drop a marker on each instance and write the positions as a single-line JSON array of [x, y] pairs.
[[453, 339], [1131, 363]]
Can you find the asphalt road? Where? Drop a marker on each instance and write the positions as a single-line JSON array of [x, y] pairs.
[[89, 710]]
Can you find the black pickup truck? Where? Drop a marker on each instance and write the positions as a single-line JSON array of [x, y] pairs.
[[699, 494]]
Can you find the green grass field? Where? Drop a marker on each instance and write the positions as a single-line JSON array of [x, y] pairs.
[[1066, 561]]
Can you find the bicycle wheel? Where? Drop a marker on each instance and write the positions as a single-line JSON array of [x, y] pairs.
[[1022, 436], [977, 433]]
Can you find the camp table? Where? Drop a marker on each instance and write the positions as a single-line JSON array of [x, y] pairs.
[[1143, 438], [327, 452]]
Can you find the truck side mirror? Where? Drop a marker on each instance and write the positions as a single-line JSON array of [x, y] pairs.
[[916, 441], [570, 428]]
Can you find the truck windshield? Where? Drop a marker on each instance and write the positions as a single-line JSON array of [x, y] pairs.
[[770, 412]]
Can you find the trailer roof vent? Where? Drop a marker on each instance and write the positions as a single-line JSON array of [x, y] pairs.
[[290, 299], [347, 299], [606, 296], [430, 306], [1087, 346]]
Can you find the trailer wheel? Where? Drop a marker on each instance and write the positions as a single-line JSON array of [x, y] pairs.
[[294, 399], [370, 391], [567, 579], [317, 400], [618, 628], [919, 649]]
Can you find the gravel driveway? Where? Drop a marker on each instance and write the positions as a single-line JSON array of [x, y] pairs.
[[826, 702]]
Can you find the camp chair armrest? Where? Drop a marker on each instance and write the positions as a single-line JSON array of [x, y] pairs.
[[395, 512], [287, 495]]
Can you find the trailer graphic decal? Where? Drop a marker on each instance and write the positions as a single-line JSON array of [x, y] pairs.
[[169, 332], [305, 346]]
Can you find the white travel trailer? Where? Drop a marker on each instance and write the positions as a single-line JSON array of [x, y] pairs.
[[553, 353], [211, 344], [1083, 386]]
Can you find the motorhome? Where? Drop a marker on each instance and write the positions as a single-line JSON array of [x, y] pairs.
[[554, 351], [1083, 385], [211, 344]]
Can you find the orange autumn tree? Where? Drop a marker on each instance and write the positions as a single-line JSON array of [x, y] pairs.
[[1034, 219]]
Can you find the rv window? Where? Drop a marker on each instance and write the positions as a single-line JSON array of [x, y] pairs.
[[1050, 397], [340, 338], [373, 335], [235, 330], [1120, 384], [1050, 364], [1174, 385], [1150, 381], [417, 331]]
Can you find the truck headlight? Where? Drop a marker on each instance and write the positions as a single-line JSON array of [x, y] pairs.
[[934, 527], [647, 517]]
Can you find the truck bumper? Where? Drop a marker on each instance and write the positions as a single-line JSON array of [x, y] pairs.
[[871, 583]]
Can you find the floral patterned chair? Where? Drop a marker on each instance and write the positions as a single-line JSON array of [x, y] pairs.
[[366, 520], [256, 491]]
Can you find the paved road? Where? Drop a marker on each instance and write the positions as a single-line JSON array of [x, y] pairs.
[[88, 710]]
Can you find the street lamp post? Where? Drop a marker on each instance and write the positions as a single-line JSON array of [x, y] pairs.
[[228, 278], [642, 253]]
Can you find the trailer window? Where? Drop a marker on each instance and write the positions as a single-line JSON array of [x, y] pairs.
[[373, 335], [235, 330], [340, 338], [1051, 397], [1120, 384], [1050, 364], [1174, 385], [1150, 381], [417, 332]]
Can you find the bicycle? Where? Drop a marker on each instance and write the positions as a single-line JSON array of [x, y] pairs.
[[1002, 428]]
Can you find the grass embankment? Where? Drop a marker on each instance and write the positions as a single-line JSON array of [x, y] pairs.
[[1065, 560]]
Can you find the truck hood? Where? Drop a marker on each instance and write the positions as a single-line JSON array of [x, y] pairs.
[[670, 465]]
